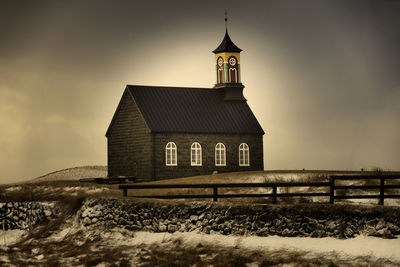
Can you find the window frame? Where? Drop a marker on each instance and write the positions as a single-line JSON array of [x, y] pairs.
[[220, 148], [245, 148], [200, 156], [174, 160]]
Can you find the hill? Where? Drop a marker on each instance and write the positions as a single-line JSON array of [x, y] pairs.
[[75, 173]]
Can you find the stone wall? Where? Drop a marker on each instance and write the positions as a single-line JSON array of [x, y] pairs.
[[208, 143], [23, 215], [129, 142], [261, 220]]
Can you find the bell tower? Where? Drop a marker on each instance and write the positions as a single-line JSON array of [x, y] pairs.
[[227, 60], [227, 66]]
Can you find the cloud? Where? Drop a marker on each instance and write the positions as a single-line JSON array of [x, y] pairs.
[[321, 76]]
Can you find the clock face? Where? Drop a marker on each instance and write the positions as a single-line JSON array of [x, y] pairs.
[[220, 62], [232, 61]]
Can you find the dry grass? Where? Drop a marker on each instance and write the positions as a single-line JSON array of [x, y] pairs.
[[55, 191], [217, 256], [81, 249], [63, 190]]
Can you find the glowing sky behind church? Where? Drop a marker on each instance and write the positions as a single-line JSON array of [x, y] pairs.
[[322, 77]]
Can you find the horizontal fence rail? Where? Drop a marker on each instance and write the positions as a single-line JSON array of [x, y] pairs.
[[382, 186], [330, 186]]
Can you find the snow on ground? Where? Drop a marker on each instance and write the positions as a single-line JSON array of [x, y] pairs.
[[13, 188], [359, 246], [86, 189], [98, 239], [10, 237]]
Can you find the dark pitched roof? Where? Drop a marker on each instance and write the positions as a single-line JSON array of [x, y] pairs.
[[192, 110], [227, 45]]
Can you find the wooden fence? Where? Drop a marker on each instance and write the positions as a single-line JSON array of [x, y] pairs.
[[330, 186]]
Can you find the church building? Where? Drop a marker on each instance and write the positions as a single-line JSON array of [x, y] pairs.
[[160, 132]]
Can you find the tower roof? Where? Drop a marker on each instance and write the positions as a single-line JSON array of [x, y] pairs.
[[227, 45]]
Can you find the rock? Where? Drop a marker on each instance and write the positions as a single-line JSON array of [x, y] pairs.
[[394, 229], [295, 225], [380, 225], [385, 233], [172, 228], [48, 213], [146, 222], [94, 220], [207, 229], [331, 226], [86, 221], [219, 219], [40, 257], [368, 230], [286, 232], [162, 227], [272, 230], [205, 222], [194, 218], [348, 232], [320, 226], [35, 251], [109, 217], [315, 233], [226, 231], [182, 228]]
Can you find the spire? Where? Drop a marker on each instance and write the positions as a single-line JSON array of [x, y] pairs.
[[226, 20], [227, 45]]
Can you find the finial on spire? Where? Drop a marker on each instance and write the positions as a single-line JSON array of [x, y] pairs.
[[226, 19]]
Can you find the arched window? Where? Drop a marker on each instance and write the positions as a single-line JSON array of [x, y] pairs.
[[195, 154], [220, 155], [220, 70], [171, 154], [244, 155], [232, 71]]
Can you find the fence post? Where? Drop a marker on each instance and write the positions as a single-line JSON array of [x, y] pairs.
[[382, 192], [125, 191], [215, 193], [332, 190], [274, 194]]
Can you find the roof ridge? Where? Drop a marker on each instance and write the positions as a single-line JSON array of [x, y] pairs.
[[169, 87]]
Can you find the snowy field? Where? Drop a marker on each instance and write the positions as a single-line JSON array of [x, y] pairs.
[[144, 249], [64, 242]]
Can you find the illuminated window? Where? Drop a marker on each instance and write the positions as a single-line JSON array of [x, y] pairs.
[[171, 154], [244, 155], [220, 155], [195, 155]]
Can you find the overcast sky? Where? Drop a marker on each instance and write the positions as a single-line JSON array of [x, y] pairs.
[[322, 77]]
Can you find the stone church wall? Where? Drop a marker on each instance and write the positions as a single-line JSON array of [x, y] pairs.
[[207, 142], [129, 142]]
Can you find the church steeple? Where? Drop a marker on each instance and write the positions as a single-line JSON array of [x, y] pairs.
[[227, 60], [227, 66]]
